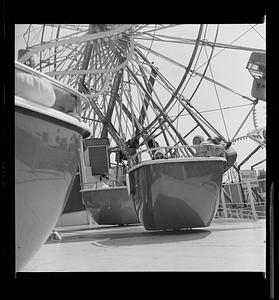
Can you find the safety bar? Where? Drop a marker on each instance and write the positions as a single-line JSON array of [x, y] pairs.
[[168, 152], [81, 99], [96, 185]]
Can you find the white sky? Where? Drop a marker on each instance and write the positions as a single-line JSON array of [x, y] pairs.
[[228, 67]]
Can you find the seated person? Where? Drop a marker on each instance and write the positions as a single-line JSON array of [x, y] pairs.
[[230, 155], [225, 151], [211, 147], [131, 147], [219, 151], [102, 183], [151, 143], [197, 140]]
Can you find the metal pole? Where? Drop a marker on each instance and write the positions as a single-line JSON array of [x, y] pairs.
[[253, 107], [161, 111], [224, 204], [82, 168], [117, 168], [247, 158], [111, 104], [252, 167], [250, 198]]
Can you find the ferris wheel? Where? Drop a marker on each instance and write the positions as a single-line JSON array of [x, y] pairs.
[[149, 81]]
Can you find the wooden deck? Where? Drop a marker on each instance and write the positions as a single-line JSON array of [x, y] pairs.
[[227, 245]]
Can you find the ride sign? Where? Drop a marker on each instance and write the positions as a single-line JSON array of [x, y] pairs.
[[249, 176]]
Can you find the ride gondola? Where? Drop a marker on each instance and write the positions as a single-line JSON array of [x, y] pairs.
[[48, 131]]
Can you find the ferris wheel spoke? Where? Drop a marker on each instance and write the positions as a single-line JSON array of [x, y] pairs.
[[222, 86], [174, 95], [117, 123], [209, 58], [118, 117], [199, 119], [243, 122], [123, 108], [150, 85], [161, 56], [107, 55], [142, 90], [173, 39], [149, 88], [74, 58], [112, 101], [155, 76], [156, 27], [163, 80], [234, 47], [217, 95], [131, 108], [181, 40], [27, 33], [161, 112]]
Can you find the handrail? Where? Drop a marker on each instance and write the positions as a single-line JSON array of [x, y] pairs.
[[95, 185], [248, 208], [241, 182], [175, 152]]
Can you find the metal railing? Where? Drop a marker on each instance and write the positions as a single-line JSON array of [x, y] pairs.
[[249, 204], [168, 152], [98, 185], [82, 102]]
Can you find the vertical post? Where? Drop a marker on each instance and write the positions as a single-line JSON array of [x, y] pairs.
[[224, 204], [250, 197], [117, 169], [82, 169]]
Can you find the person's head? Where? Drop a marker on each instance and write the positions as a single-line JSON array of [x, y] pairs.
[[216, 140], [197, 140], [159, 155], [104, 176]]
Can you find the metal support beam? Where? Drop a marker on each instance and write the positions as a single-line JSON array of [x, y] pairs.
[[247, 158], [250, 111], [113, 132], [195, 118], [86, 57], [252, 167], [128, 113], [161, 112], [112, 100], [149, 86]]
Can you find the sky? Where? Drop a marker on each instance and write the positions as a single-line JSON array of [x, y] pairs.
[[228, 68]]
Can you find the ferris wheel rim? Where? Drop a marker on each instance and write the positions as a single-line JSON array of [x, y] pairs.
[[84, 38]]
